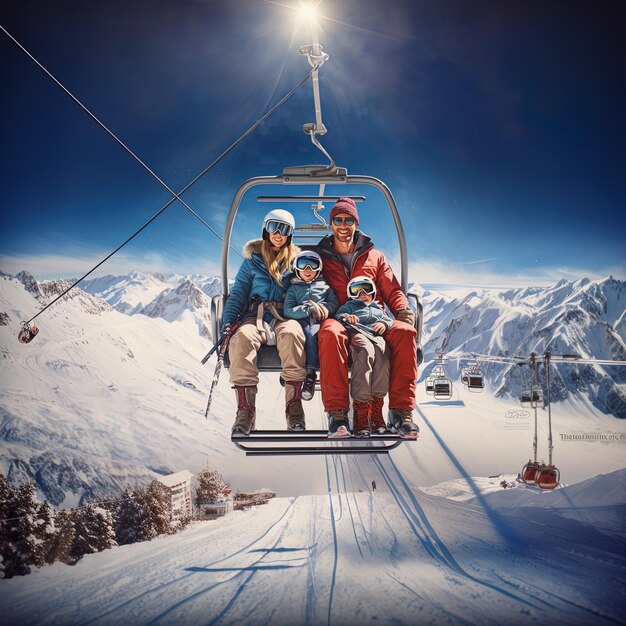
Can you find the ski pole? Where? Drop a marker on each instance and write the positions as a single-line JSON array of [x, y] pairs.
[[222, 344], [218, 367], [359, 329], [233, 327]]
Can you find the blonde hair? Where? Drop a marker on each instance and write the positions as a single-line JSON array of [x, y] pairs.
[[278, 264]]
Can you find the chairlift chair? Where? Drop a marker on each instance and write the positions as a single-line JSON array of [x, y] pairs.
[[530, 472], [548, 477], [531, 398], [464, 376], [267, 357], [430, 385], [442, 389], [475, 381]]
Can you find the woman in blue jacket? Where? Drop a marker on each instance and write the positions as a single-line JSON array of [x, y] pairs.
[[265, 273]]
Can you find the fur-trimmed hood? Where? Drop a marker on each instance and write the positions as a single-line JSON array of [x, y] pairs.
[[252, 247]]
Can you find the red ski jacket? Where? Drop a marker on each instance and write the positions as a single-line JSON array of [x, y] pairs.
[[366, 262]]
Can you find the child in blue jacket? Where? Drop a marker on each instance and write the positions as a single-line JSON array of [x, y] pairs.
[[370, 362], [309, 300]]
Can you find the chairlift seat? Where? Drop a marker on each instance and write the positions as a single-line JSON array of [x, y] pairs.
[[442, 389], [308, 236], [430, 385]]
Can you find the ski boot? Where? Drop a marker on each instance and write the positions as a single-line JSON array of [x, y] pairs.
[[246, 411], [308, 389], [360, 418], [338, 425], [377, 422], [401, 422], [294, 413]]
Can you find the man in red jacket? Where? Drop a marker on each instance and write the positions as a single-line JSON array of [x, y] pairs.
[[347, 253]]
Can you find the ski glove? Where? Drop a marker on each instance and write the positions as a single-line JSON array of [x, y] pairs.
[[406, 315], [317, 311]]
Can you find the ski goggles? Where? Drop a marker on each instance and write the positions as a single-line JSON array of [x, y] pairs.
[[356, 288], [348, 221], [274, 226], [304, 262]]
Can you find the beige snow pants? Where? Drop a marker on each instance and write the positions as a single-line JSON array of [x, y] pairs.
[[370, 367], [245, 343]]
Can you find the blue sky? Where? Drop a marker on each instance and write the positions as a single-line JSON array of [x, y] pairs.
[[499, 127]]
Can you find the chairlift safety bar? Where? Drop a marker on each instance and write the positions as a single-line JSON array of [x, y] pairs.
[[307, 198]]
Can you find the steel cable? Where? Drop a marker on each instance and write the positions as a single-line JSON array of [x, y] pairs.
[[176, 196]]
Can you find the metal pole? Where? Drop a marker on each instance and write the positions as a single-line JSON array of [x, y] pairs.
[[546, 358], [533, 378], [320, 129]]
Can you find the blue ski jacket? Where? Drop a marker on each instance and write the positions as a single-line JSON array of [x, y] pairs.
[[253, 279], [368, 314], [317, 291]]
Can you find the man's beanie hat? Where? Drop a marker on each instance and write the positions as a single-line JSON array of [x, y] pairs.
[[345, 206]]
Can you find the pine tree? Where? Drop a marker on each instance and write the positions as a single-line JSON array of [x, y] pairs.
[[130, 516], [211, 488], [60, 544], [20, 546], [93, 531], [159, 508], [143, 514], [6, 512]]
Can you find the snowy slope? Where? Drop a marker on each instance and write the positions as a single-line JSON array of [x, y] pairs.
[[100, 399], [355, 556]]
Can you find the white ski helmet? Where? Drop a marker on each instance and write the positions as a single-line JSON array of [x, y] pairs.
[[307, 258], [358, 284], [281, 216]]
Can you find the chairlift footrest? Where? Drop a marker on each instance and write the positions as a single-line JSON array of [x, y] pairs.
[[255, 444]]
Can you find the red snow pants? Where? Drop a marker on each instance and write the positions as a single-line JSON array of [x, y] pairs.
[[333, 345]]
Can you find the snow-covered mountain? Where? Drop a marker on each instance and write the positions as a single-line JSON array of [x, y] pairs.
[[186, 298], [101, 399], [129, 293], [582, 317], [170, 297], [137, 291]]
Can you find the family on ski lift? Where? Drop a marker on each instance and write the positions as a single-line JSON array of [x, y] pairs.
[[317, 307]]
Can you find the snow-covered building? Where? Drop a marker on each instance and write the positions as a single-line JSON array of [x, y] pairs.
[[179, 485]]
